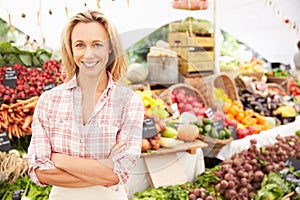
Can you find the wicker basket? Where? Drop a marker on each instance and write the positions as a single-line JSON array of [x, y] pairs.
[[276, 87], [213, 143], [282, 81], [241, 84], [257, 75], [204, 85], [288, 196], [167, 94], [224, 82]]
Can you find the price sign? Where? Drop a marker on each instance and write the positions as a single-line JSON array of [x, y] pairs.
[[209, 113], [49, 86], [10, 78], [149, 128], [17, 195], [293, 162], [219, 124], [232, 129], [4, 142]]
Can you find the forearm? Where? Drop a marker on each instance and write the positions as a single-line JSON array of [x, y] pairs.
[[92, 171], [59, 177]]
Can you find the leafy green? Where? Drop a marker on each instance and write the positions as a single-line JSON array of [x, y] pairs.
[[273, 187], [163, 193]]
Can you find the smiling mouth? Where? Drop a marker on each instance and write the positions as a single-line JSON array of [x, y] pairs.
[[90, 64]]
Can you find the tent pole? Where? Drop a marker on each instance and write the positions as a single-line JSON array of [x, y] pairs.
[[217, 38]]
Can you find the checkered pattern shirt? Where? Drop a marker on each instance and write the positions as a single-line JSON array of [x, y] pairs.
[[58, 127]]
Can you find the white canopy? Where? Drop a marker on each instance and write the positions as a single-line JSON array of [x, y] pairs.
[[257, 23]]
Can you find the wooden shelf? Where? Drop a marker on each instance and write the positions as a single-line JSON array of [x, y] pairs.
[[189, 147]]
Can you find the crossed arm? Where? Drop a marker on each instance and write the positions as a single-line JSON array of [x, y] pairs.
[[80, 172]]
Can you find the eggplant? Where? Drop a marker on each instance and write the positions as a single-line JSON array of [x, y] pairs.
[[246, 91]]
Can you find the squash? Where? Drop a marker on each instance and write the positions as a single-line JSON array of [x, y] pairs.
[[137, 73], [187, 132]]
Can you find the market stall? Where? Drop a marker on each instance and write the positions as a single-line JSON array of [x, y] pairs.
[[191, 112]]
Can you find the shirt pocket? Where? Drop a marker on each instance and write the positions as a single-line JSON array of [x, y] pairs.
[[65, 138], [101, 138]]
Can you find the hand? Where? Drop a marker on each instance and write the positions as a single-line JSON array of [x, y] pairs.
[[118, 148], [56, 158]]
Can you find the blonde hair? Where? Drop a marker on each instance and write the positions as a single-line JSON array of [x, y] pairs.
[[116, 64]]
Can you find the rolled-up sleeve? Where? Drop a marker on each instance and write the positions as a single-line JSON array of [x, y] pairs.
[[131, 132], [39, 150]]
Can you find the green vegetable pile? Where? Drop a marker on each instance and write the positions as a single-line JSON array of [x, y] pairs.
[[32, 191], [10, 55]]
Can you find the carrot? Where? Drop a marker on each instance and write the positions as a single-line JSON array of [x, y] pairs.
[[9, 131], [30, 105], [16, 131], [27, 122], [4, 106], [4, 116], [26, 110], [21, 102]]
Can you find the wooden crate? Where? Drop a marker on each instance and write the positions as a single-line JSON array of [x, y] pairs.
[[194, 54], [184, 39], [195, 67]]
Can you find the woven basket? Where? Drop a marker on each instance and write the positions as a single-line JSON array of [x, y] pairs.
[[241, 84], [213, 143], [224, 82], [204, 85], [167, 94], [257, 75], [277, 87], [288, 196], [282, 81]]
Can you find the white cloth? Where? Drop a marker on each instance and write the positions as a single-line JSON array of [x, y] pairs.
[[88, 193]]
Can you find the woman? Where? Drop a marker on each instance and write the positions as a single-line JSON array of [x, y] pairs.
[[86, 132]]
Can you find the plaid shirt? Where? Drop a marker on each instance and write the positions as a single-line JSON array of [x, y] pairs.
[[58, 127]]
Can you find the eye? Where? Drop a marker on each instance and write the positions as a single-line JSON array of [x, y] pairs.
[[98, 45], [79, 45]]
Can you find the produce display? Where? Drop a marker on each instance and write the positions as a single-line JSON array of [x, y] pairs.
[[253, 65], [30, 81], [183, 115], [257, 173]]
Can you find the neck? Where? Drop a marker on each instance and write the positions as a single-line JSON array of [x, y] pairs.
[[95, 84]]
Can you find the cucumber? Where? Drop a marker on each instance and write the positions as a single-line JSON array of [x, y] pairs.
[[207, 121]]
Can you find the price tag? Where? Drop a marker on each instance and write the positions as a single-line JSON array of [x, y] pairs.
[[293, 162], [149, 128], [219, 124], [5, 144], [10, 78], [49, 86], [210, 113], [17, 195], [232, 129]]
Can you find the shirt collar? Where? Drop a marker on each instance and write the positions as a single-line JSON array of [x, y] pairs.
[[73, 82]]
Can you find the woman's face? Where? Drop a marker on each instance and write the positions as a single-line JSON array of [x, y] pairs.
[[90, 45]]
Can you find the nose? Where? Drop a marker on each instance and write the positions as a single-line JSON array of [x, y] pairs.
[[89, 52]]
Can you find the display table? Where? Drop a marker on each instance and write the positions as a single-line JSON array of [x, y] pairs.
[[263, 138], [192, 164]]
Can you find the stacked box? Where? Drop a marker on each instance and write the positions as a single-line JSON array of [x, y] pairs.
[[196, 53]]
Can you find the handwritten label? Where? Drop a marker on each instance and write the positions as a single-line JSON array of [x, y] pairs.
[[149, 128], [232, 129], [219, 124], [49, 86], [4, 142], [17, 195], [210, 113], [10, 78], [291, 161]]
